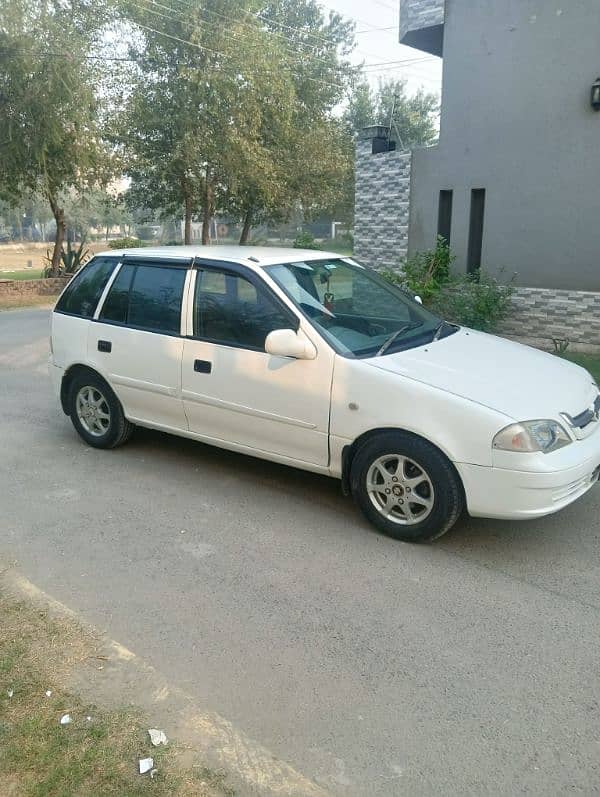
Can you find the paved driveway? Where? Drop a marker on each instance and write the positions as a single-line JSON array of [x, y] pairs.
[[373, 667]]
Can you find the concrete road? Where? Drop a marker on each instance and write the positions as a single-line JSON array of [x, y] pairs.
[[374, 668]]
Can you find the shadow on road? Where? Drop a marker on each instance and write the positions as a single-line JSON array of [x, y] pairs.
[[538, 550]]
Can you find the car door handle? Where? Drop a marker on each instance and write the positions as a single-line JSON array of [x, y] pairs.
[[202, 366], [104, 345]]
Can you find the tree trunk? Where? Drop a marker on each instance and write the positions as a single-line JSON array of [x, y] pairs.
[[61, 229], [207, 212], [246, 228], [107, 229], [187, 229]]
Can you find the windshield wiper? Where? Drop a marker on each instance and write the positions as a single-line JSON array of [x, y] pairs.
[[396, 335], [439, 329]]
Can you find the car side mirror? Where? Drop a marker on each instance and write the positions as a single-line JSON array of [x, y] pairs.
[[287, 343], [418, 300]]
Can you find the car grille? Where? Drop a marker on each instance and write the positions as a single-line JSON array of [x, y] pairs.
[[575, 488], [587, 416], [586, 422]]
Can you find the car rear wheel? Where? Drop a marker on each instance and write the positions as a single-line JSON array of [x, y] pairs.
[[406, 487], [96, 413]]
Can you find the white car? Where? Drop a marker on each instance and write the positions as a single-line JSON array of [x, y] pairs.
[[311, 360]]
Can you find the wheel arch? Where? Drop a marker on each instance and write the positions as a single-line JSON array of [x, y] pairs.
[[65, 385], [349, 453]]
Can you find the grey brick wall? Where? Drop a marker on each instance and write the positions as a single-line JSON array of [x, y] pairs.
[[382, 205], [540, 314], [419, 14]]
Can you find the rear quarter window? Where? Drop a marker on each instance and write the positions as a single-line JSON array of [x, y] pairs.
[[83, 292]]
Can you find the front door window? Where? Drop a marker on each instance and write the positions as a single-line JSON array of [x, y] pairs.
[[231, 310]]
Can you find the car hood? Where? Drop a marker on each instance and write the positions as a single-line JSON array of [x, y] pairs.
[[521, 382]]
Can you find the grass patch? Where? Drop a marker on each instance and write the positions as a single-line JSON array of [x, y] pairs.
[[97, 754], [590, 362], [28, 274]]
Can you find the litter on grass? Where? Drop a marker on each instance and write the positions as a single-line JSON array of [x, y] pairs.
[[10, 692], [157, 737], [146, 764], [153, 772], [48, 693], [65, 719]]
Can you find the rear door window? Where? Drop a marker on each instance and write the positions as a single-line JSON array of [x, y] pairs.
[[116, 304], [83, 292], [147, 297]]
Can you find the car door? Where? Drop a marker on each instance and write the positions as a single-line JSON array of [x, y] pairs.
[[236, 393], [135, 340]]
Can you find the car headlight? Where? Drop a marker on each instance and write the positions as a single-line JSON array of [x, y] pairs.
[[530, 436]]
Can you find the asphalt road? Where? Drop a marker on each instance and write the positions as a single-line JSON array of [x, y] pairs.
[[375, 668]]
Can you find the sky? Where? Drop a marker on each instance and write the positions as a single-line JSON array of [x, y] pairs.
[[378, 46]]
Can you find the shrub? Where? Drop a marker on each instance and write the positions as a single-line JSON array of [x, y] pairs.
[[125, 243], [305, 240], [71, 259], [477, 300], [426, 272]]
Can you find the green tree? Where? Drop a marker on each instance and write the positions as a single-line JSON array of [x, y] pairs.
[[413, 118], [185, 107], [49, 132], [362, 108], [94, 208], [309, 162], [232, 108]]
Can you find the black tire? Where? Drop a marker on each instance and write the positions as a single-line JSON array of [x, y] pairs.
[[447, 498], [118, 430]]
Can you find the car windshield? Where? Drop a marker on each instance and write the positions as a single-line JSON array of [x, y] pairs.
[[357, 312]]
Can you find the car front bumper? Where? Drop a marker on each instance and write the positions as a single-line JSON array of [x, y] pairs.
[[504, 493]]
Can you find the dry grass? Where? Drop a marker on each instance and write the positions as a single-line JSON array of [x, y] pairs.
[[93, 757], [15, 257], [19, 301]]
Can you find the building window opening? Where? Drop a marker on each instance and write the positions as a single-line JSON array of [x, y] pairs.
[[476, 230], [445, 215]]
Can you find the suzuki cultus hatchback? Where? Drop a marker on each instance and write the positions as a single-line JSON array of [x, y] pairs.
[[311, 360]]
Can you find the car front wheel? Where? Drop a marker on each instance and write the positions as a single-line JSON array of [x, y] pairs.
[[406, 487]]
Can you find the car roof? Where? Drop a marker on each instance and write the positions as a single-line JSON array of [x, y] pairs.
[[252, 256]]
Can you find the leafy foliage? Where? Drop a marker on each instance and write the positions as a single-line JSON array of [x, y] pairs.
[[425, 272], [413, 118], [226, 121], [305, 240], [125, 243], [72, 259], [48, 107], [477, 300]]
